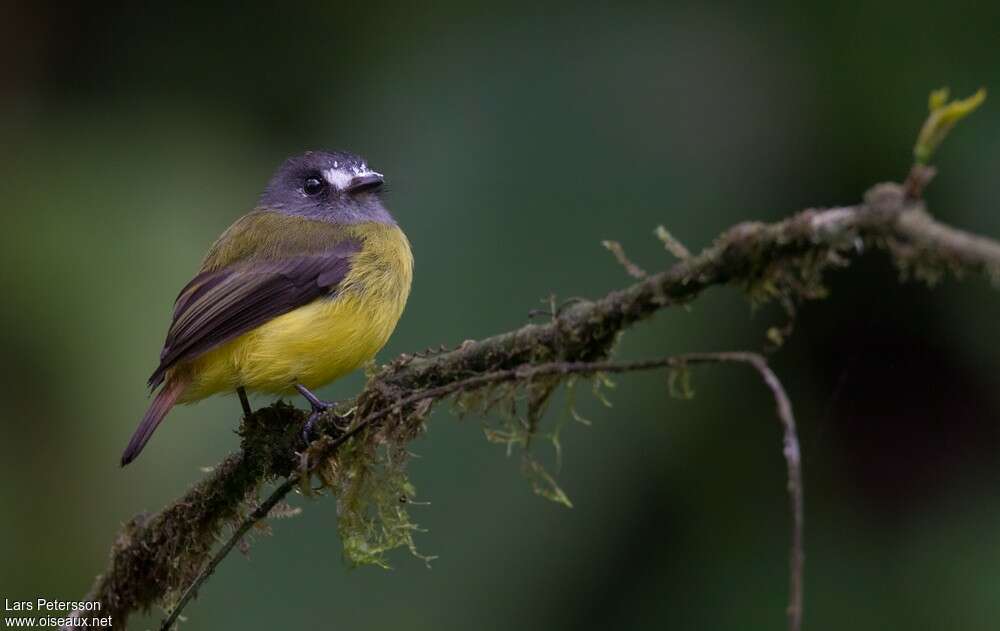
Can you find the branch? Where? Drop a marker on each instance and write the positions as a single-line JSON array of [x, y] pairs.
[[794, 251], [163, 559], [527, 373]]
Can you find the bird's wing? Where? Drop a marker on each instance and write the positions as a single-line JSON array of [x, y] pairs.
[[221, 304]]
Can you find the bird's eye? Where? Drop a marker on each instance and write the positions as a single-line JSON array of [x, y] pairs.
[[313, 185]]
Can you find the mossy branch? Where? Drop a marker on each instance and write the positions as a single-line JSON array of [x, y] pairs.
[[161, 560]]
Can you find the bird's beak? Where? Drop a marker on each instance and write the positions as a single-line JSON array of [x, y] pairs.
[[367, 182]]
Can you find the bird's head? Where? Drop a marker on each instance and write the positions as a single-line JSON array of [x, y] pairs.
[[334, 186]]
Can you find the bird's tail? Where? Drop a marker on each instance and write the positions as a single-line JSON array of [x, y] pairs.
[[164, 400]]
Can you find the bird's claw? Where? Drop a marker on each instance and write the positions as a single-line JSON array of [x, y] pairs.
[[317, 413], [319, 408]]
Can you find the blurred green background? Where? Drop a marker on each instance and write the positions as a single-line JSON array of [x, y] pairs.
[[514, 139]]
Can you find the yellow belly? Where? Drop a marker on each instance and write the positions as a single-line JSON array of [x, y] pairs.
[[321, 341], [312, 345]]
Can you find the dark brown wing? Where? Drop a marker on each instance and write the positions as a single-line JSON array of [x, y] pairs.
[[220, 305]]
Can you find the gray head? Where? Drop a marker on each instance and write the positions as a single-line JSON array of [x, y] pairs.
[[333, 186]]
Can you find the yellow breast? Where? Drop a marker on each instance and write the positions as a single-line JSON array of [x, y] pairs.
[[324, 340]]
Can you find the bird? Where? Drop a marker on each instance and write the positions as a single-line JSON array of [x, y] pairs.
[[295, 294]]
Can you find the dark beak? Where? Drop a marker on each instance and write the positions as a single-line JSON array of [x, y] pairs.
[[366, 182]]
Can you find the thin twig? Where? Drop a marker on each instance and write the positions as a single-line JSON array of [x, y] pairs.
[[259, 513], [526, 373], [248, 522], [793, 462], [618, 251], [671, 243]]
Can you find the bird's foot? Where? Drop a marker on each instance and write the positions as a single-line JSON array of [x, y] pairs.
[[307, 429], [319, 408]]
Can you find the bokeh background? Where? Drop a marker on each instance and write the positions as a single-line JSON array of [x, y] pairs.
[[515, 139]]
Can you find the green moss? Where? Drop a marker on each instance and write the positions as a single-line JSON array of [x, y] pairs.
[[373, 495], [513, 412], [542, 482]]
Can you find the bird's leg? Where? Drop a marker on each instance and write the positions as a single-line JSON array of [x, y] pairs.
[[245, 402], [318, 408]]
